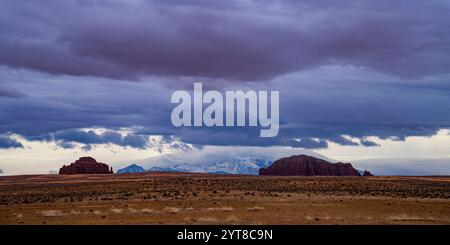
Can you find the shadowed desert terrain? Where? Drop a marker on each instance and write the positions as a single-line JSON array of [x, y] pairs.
[[183, 198]]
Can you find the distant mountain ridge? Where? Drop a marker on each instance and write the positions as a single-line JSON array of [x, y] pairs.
[[133, 168]]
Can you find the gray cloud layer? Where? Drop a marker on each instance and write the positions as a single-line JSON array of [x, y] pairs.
[[244, 40], [359, 68]]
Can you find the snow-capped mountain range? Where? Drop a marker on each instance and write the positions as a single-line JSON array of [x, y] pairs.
[[250, 166], [133, 168], [243, 166]]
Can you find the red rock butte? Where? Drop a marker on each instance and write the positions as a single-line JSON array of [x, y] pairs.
[[86, 165], [367, 173], [303, 165]]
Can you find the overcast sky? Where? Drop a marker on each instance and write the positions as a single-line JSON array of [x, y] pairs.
[[358, 79]]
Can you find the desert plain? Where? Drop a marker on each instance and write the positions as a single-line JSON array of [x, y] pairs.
[[190, 198]]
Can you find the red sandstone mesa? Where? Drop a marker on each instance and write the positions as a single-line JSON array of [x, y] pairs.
[[303, 165], [86, 165]]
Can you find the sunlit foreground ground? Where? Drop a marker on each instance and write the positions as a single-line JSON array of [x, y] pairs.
[[180, 198]]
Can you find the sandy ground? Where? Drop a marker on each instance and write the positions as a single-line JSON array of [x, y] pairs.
[[181, 198]]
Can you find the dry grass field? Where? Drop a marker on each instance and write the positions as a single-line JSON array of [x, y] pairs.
[[182, 198]]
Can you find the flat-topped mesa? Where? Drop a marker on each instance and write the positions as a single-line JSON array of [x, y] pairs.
[[86, 165], [303, 165]]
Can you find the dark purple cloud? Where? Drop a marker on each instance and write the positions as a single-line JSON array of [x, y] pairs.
[[357, 68], [90, 137], [243, 40], [10, 93]]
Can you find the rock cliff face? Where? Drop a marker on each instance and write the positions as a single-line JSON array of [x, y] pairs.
[[303, 165], [367, 173], [86, 165], [133, 168]]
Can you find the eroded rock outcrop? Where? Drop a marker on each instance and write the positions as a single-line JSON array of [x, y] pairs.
[[303, 165], [86, 165], [367, 173]]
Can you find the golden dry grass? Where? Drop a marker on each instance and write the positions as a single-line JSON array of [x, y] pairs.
[[180, 198]]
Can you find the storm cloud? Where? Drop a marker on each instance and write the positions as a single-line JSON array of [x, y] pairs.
[[7, 142], [354, 68]]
